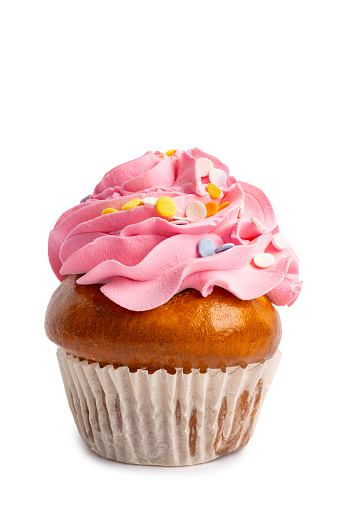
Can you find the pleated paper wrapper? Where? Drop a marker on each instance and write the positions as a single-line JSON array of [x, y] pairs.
[[161, 418]]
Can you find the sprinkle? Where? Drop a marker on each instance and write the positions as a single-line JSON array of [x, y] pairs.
[[223, 205], [166, 206], [188, 219], [206, 247], [149, 201], [263, 260], [217, 177], [224, 247], [259, 225], [86, 198], [213, 191], [279, 241], [196, 211], [180, 221], [131, 204], [170, 153], [241, 210], [212, 208], [108, 211], [204, 166]]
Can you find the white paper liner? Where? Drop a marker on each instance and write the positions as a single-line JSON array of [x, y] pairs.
[[164, 419]]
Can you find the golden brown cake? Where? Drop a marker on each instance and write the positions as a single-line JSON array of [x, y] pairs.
[[189, 331]]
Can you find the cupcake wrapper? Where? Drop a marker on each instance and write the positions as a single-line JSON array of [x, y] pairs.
[[164, 419]]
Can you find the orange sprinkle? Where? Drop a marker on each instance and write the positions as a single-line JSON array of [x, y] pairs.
[[212, 208], [131, 204], [170, 153], [213, 190], [223, 205], [108, 211]]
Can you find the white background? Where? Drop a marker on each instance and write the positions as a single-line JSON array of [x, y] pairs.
[[88, 85]]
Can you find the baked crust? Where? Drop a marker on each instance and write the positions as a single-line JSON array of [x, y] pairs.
[[189, 331]]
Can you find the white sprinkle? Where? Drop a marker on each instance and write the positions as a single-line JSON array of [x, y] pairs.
[[204, 166], [217, 177], [263, 260], [149, 201], [180, 221], [259, 225], [279, 241], [196, 211], [179, 218]]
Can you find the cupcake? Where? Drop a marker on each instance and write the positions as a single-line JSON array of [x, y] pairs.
[[164, 318]]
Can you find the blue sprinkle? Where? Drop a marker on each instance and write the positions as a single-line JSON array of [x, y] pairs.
[[86, 198], [224, 247], [206, 247]]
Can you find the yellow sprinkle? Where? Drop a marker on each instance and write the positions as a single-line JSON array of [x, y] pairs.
[[131, 204], [166, 206], [213, 190], [170, 153], [108, 211], [212, 208], [223, 205]]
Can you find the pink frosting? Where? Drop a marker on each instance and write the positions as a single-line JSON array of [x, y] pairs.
[[142, 259]]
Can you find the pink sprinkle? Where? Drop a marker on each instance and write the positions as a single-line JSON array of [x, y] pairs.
[[204, 166], [196, 211], [217, 177]]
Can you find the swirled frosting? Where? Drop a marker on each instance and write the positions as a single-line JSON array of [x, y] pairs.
[[142, 259]]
